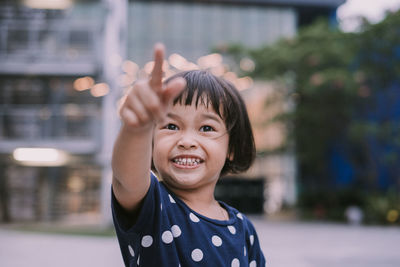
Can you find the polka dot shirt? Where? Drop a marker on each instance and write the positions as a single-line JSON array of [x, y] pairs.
[[168, 233]]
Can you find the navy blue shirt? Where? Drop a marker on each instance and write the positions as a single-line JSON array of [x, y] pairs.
[[169, 233]]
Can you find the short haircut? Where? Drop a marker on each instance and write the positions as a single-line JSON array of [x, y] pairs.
[[202, 87]]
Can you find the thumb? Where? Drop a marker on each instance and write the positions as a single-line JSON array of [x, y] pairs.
[[172, 90]]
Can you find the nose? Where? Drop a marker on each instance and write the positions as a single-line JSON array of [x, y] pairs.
[[187, 140]]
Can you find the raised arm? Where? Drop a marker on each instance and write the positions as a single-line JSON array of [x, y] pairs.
[[147, 102]]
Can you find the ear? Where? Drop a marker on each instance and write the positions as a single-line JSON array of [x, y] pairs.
[[230, 156]]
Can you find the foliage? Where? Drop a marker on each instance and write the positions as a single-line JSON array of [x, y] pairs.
[[383, 208], [332, 77], [345, 87], [317, 63], [377, 208]]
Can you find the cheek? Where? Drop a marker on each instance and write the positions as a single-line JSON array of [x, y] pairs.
[[156, 143], [222, 150], [160, 151], [158, 162], [156, 151]]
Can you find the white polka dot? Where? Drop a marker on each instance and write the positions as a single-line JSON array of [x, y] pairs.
[[194, 218], [240, 216], [245, 251], [138, 259], [197, 255], [251, 239], [232, 229], [171, 199], [131, 251], [253, 264], [147, 241], [176, 231], [167, 237], [216, 240], [235, 263]]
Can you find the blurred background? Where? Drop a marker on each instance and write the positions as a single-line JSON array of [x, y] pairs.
[[320, 78], [323, 100], [321, 82]]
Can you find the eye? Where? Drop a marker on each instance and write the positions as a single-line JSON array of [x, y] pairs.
[[171, 126], [206, 128]]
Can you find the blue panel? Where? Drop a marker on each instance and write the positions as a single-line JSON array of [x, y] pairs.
[[341, 169]]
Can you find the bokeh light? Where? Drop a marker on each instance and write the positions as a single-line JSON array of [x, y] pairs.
[[100, 89]]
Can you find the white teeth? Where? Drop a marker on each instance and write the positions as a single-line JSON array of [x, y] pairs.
[[187, 161]]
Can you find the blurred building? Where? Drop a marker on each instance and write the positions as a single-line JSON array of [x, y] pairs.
[[58, 87], [42, 53]]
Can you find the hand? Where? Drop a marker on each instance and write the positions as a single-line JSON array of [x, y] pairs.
[[149, 100]]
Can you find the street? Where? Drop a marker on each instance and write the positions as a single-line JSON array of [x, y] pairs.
[[285, 244]]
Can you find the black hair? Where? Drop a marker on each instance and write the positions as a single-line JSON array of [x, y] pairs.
[[202, 87]]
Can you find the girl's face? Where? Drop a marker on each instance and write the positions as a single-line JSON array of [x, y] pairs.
[[190, 146]]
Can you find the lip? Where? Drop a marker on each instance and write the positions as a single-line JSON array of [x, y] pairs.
[[187, 161]]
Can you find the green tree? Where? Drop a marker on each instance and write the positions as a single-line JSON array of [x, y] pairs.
[[335, 79]]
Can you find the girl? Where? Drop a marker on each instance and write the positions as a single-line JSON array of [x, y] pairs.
[[192, 129]]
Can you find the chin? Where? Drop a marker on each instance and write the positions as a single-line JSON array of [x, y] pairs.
[[185, 181], [181, 182]]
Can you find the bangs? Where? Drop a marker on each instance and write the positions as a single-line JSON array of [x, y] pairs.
[[203, 88]]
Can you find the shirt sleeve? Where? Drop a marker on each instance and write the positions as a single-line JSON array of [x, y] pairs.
[[128, 229], [255, 254], [125, 222]]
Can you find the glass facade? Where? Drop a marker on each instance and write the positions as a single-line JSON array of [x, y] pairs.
[[46, 108], [54, 37], [193, 30], [42, 54], [49, 194]]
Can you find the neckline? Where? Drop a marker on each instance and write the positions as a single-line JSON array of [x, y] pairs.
[[231, 214]]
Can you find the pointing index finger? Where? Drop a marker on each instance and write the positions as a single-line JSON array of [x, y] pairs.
[[156, 75]]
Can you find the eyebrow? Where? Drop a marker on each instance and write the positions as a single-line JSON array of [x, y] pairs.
[[205, 116], [213, 117], [173, 116]]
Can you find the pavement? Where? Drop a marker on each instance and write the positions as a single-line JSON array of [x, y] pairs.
[[285, 244], [328, 245]]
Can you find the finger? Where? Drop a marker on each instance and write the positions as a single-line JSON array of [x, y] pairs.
[[120, 104], [156, 74], [172, 90], [151, 102], [129, 118], [137, 106]]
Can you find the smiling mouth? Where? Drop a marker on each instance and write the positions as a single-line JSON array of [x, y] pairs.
[[187, 161]]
